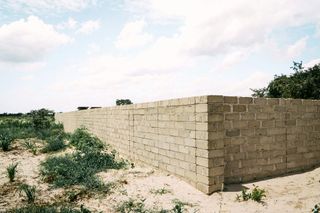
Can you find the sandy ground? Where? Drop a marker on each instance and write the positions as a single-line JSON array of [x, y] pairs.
[[293, 193]]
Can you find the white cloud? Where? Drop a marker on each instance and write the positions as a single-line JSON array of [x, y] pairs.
[[132, 35], [89, 26], [312, 63], [212, 27], [69, 24], [297, 48], [37, 6], [28, 40]]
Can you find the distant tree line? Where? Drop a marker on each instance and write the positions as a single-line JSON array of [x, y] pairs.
[[303, 83]]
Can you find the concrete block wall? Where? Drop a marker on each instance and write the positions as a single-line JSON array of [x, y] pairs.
[[211, 140], [269, 137]]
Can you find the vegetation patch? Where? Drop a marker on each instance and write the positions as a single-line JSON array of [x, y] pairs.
[[255, 194], [160, 191], [6, 140], [84, 141], [54, 144], [48, 209]]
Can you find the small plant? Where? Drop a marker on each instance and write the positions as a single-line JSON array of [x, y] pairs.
[[179, 206], [11, 171], [6, 140], [160, 191], [131, 205], [256, 194], [30, 146], [29, 191], [316, 208]]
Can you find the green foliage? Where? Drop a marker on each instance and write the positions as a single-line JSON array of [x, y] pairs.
[[11, 171], [6, 140], [131, 205], [316, 208], [29, 191], [123, 102], [85, 141], [304, 84], [160, 191], [54, 144], [256, 194], [42, 118], [30, 146], [179, 206], [48, 209], [79, 168]]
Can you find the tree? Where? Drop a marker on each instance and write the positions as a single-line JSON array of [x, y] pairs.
[[123, 102], [304, 83], [42, 118]]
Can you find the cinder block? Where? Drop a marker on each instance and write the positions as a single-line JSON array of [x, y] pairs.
[[230, 99]]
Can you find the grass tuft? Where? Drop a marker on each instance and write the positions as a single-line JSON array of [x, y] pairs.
[[11, 171], [30, 146], [29, 191], [160, 191]]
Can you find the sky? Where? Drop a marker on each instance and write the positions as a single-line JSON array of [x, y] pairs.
[[61, 54]]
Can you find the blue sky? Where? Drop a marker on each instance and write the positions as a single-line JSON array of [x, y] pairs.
[[67, 53]]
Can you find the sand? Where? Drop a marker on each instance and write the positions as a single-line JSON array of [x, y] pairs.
[[292, 193]]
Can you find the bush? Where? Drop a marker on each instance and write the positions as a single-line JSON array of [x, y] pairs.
[[6, 140], [29, 191], [41, 119], [85, 141], [11, 171], [54, 144], [316, 208]]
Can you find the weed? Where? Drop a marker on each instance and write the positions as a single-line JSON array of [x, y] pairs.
[[48, 209], [30, 146], [179, 206], [160, 191], [316, 208], [54, 144], [11, 171], [256, 194], [85, 141], [29, 191], [131, 205], [6, 140]]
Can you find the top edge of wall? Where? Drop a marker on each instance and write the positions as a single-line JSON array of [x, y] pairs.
[[207, 99]]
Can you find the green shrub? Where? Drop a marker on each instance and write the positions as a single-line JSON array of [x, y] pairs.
[[41, 119], [54, 144], [11, 171], [29, 191], [85, 141], [6, 140], [78, 168], [256, 194]]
